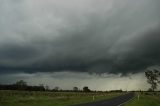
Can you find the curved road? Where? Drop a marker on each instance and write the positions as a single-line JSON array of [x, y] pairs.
[[116, 101]]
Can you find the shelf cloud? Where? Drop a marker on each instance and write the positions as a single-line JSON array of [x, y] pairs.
[[105, 36]]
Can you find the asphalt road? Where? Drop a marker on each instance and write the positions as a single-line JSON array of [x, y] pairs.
[[116, 101]]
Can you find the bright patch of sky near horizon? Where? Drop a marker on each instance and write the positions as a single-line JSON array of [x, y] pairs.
[[69, 80]]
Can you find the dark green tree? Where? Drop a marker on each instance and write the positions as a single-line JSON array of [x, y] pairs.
[[153, 78], [86, 89], [75, 89], [21, 85]]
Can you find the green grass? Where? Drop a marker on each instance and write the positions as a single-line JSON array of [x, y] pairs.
[[144, 100], [24, 98]]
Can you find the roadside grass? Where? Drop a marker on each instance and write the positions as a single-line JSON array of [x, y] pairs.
[[144, 100], [26, 98]]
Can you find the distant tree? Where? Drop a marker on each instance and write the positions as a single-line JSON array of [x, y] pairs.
[[56, 88], [150, 90], [86, 89], [75, 88], [116, 90], [21, 85], [41, 87], [153, 78]]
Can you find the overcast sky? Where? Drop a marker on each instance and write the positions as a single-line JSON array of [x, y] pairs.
[[86, 41]]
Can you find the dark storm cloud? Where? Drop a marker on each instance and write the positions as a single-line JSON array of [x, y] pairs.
[[82, 36], [141, 52]]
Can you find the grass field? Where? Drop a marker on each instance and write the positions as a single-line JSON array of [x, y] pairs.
[[26, 98], [144, 100]]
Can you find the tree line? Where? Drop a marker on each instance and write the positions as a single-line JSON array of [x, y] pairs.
[[22, 85]]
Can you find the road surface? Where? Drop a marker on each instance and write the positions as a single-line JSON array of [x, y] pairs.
[[116, 101]]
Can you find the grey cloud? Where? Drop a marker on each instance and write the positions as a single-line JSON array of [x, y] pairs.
[[82, 36]]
